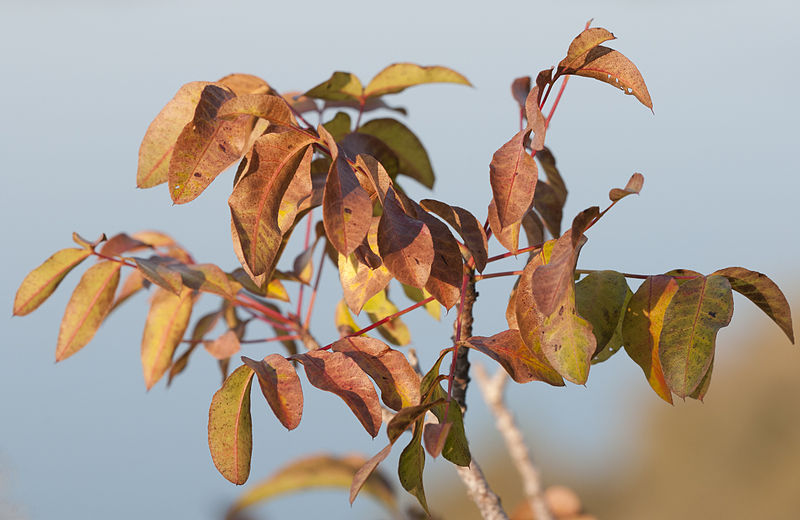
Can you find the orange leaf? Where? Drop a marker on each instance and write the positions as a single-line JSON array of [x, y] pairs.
[[405, 244], [281, 388], [634, 186], [513, 174], [40, 283], [224, 346], [166, 322], [523, 363], [583, 43], [230, 427]]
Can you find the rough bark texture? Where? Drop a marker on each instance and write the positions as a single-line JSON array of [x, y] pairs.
[[461, 377]]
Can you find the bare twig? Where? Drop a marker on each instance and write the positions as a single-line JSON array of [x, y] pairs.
[[493, 390], [479, 491]]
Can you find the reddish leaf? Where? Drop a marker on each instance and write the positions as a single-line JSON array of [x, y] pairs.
[[208, 278], [548, 163], [265, 106], [523, 363], [377, 178], [162, 271], [398, 382], [634, 186], [405, 244], [122, 243], [230, 427], [340, 86], [40, 283], [520, 88], [412, 158], [356, 144], [534, 229], [88, 244], [544, 78], [379, 307], [536, 120], [550, 206], [337, 373], [88, 306], [157, 145], [154, 238], [281, 387], [513, 174], [405, 419], [435, 436], [206, 146], [507, 236], [465, 225], [762, 291], [697, 311], [641, 329], [583, 43], [399, 76], [166, 322], [365, 473], [456, 447], [224, 346], [255, 203]]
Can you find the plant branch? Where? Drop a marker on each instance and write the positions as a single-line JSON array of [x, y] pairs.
[[479, 491], [459, 369], [493, 393], [266, 340]]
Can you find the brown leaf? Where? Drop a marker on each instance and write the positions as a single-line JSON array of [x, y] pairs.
[[523, 363], [132, 284], [583, 43], [202, 326], [520, 88], [242, 84], [166, 322], [544, 78], [536, 120], [534, 229], [122, 243], [230, 427], [337, 373], [435, 436], [513, 174], [550, 206], [466, 225], [265, 106], [159, 140], [548, 163], [405, 244], [162, 271], [507, 236], [206, 146], [224, 346], [40, 283], [281, 388], [634, 186], [356, 143], [88, 306], [364, 473], [377, 180], [255, 203], [389, 368]]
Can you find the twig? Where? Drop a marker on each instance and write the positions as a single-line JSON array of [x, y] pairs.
[[493, 390], [479, 491]]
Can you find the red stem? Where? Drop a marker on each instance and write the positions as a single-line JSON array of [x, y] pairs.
[[496, 275], [555, 103], [314, 292], [305, 246], [519, 251], [246, 301], [276, 338], [464, 281]]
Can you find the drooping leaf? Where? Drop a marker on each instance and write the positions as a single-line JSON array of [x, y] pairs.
[[435, 437], [600, 299], [88, 306], [568, 342], [548, 163], [412, 158], [281, 388], [337, 373], [702, 389], [405, 244], [134, 283], [162, 271], [612, 67], [399, 76], [641, 329], [466, 225], [405, 419], [40, 283], [166, 322], [697, 311], [316, 471], [340, 86], [616, 342], [346, 207], [377, 181], [230, 427], [416, 295], [533, 227], [521, 362], [202, 326], [762, 291], [154, 238], [544, 78], [583, 43], [389, 368], [255, 202], [550, 207], [206, 146], [365, 473], [411, 466], [394, 331], [155, 151], [456, 447], [520, 88], [359, 282], [224, 346], [507, 236], [513, 174], [634, 186]]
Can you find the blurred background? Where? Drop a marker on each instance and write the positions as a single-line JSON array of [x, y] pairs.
[[83, 79]]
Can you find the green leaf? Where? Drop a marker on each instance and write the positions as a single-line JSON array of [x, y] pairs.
[[166, 322], [316, 471], [600, 299], [413, 160], [695, 314], [88, 306], [230, 427], [456, 447], [641, 329], [40, 283], [411, 466], [337, 373], [339, 87], [568, 342], [433, 308], [281, 388], [762, 291], [379, 307], [389, 368], [399, 76], [158, 143], [339, 126]]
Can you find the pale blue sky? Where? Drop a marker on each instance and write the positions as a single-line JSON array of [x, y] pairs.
[[82, 81]]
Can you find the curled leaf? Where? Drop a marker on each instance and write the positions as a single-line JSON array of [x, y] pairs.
[[634, 186], [281, 388]]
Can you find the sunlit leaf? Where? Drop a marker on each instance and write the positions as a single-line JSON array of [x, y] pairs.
[[600, 299], [413, 160], [466, 225], [405, 244], [162, 271], [356, 143], [394, 331], [87, 307], [533, 227], [337, 373], [634, 186], [365, 473], [154, 238], [583, 43], [317, 471], [641, 329], [40, 283], [122, 243], [507, 236], [340, 86], [522, 363], [695, 314], [389, 368], [230, 427], [281, 388], [242, 84], [762, 291], [264, 106], [208, 278], [339, 126], [513, 174], [166, 322], [155, 151], [344, 321], [416, 295], [359, 282], [399, 76], [224, 346]]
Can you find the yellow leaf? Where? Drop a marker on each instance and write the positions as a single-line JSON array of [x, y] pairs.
[[163, 331], [43, 281]]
